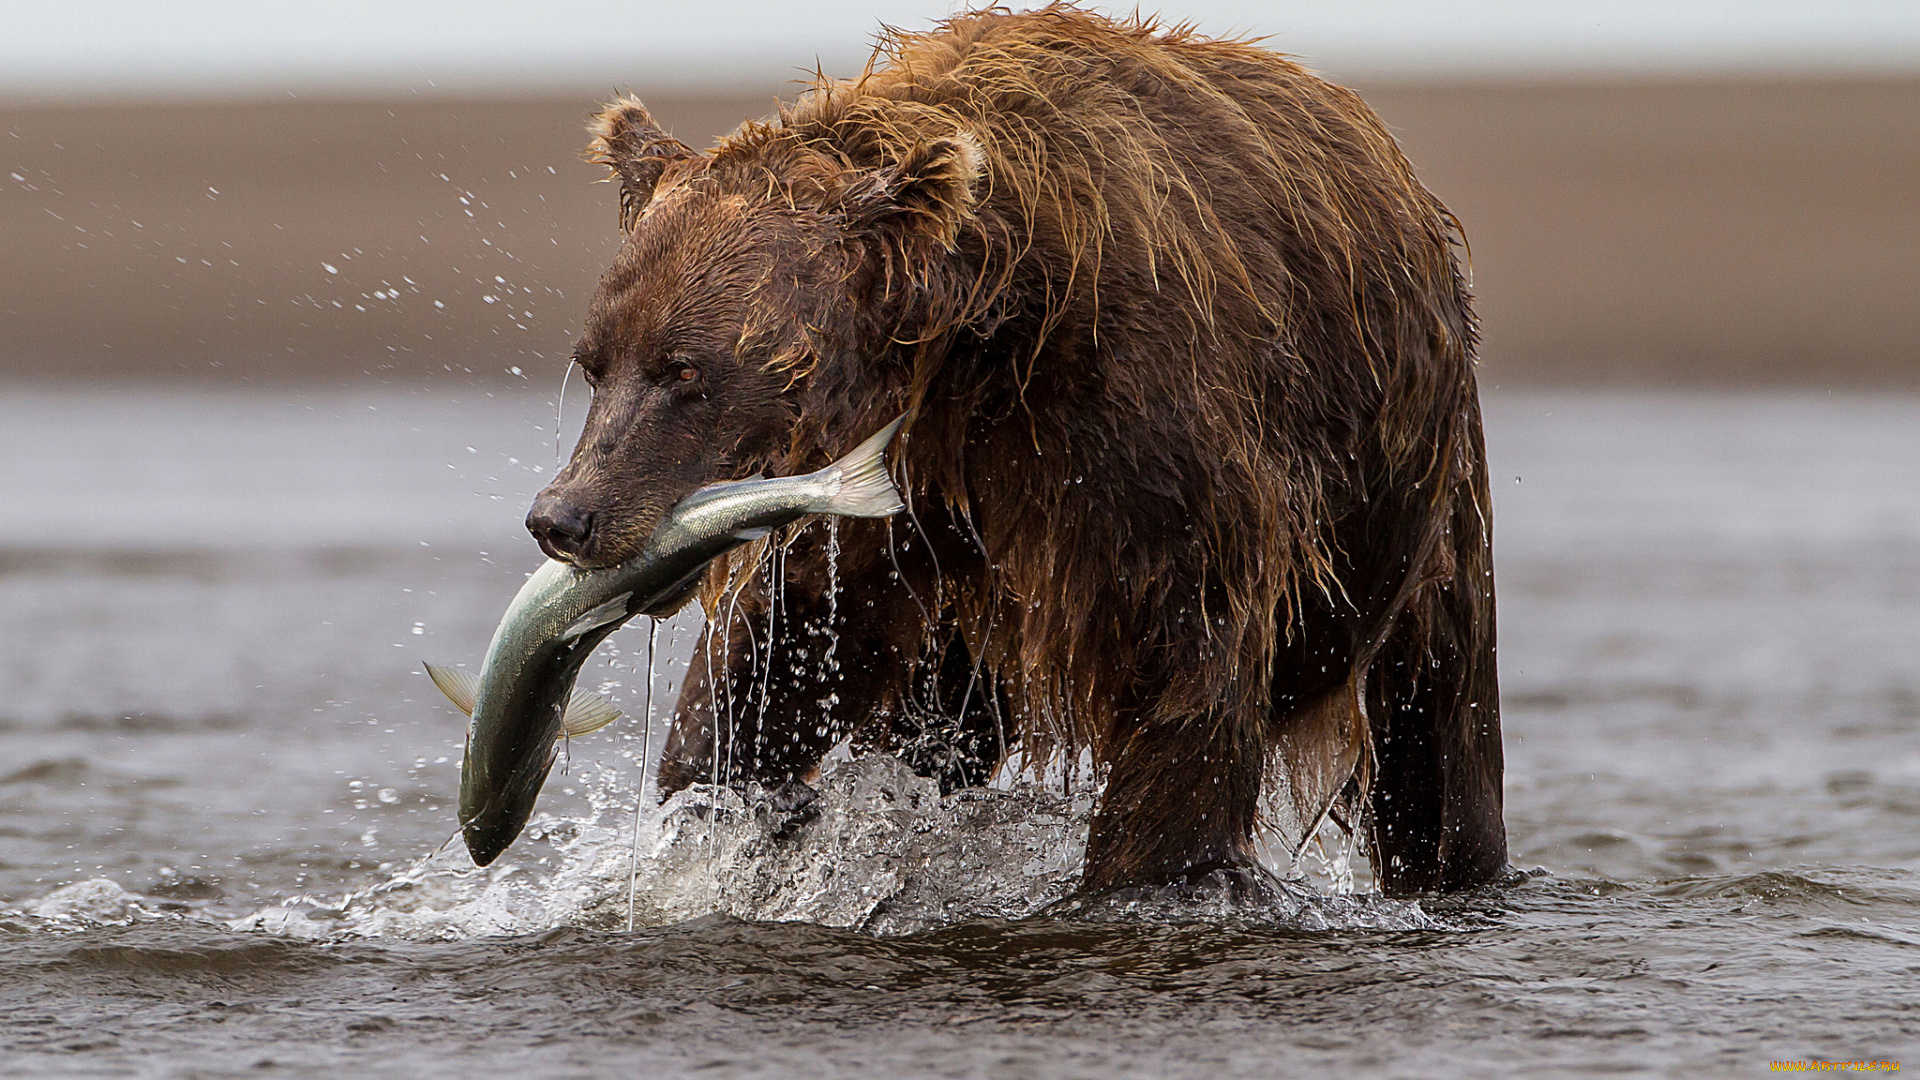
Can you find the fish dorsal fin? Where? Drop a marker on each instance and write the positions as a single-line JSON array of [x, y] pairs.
[[587, 712], [461, 687]]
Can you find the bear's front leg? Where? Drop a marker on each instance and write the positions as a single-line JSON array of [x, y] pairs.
[[774, 685], [1179, 805], [760, 678]]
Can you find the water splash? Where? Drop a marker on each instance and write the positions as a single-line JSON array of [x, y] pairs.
[[95, 901], [1331, 858], [879, 850]]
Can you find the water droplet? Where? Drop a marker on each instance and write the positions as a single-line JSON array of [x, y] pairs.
[[387, 795], [329, 268]]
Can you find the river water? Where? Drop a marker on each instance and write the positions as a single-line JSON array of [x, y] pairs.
[[225, 788]]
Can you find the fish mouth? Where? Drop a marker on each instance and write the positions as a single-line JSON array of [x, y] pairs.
[[492, 816], [509, 755]]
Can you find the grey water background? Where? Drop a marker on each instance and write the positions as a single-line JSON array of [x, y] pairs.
[[215, 604]]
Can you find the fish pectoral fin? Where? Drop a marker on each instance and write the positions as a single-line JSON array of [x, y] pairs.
[[461, 687], [615, 608], [587, 712], [752, 534]]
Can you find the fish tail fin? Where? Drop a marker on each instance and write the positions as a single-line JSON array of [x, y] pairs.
[[461, 687], [866, 487], [587, 712]]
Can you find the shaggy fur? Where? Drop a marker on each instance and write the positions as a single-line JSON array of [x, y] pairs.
[[1194, 451]]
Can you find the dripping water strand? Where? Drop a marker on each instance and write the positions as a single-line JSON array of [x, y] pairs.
[[733, 590], [926, 617], [774, 560], [724, 773], [992, 695], [559, 413], [640, 788], [713, 739], [829, 660]]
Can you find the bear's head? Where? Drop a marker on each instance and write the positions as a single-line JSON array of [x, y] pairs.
[[759, 312]]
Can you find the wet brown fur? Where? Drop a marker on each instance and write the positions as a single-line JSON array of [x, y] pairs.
[[1193, 444]]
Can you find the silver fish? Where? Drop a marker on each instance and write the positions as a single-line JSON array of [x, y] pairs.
[[523, 700]]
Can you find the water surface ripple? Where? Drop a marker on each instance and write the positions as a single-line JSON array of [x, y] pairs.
[[223, 785]]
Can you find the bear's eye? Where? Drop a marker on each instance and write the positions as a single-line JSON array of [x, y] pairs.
[[681, 370]]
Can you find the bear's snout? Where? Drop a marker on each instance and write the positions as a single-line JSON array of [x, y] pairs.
[[562, 529]]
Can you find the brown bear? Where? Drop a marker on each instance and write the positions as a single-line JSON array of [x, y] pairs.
[[1193, 448]]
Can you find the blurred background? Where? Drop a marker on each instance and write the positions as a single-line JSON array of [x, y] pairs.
[[1718, 193], [286, 294]]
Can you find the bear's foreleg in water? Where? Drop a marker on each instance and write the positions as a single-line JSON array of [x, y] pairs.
[[794, 682]]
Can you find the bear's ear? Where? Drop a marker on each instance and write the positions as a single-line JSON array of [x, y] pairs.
[[927, 194], [626, 140]]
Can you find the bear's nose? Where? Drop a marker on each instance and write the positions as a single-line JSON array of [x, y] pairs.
[[561, 527]]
